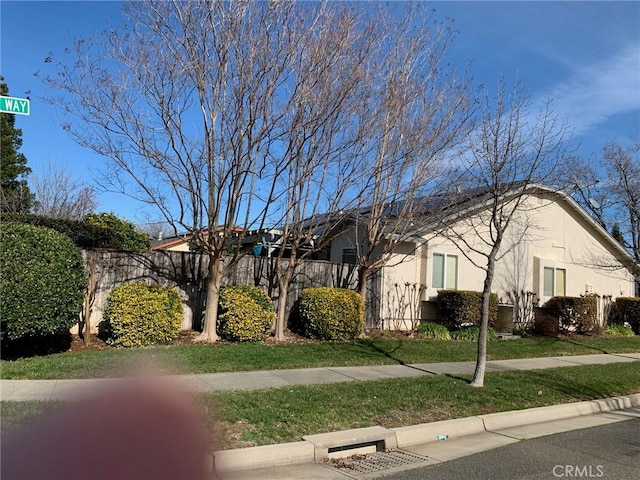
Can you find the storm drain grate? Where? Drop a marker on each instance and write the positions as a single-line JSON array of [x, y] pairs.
[[377, 461]]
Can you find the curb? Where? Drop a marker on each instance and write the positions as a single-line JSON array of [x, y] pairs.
[[307, 451]]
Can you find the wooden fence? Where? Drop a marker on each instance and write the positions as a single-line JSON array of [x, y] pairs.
[[188, 273]]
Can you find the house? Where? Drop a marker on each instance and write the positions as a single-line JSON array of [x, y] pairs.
[[265, 242], [552, 248], [184, 243]]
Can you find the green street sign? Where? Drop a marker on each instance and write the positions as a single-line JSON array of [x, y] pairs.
[[18, 106]]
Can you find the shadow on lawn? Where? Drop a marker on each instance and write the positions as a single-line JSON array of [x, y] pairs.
[[373, 348], [376, 348], [546, 381], [573, 341], [35, 346]]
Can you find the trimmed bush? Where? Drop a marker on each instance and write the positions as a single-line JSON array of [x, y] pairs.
[[327, 313], [100, 230], [42, 281], [138, 315], [245, 314], [575, 314], [626, 310], [433, 330], [471, 334], [619, 331], [117, 234], [463, 307], [545, 323]]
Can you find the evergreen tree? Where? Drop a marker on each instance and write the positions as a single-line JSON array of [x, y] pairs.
[[15, 196], [617, 234]]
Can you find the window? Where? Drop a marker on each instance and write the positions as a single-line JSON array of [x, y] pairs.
[[445, 271], [555, 282], [350, 256]]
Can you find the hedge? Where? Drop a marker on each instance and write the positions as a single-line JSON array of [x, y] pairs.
[[138, 315], [245, 314], [574, 314], [327, 313], [626, 309], [99, 230], [42, 281], [463, 307]]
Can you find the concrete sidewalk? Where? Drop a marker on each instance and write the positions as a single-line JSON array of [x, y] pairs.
[[60, 390]]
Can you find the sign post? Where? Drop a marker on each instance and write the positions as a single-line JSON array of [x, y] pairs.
[[17, 106]]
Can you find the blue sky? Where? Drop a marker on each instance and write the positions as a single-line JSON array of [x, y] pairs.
[[584, 55]]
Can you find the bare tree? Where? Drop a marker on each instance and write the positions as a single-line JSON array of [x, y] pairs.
[[60, 195], [207, 109], [318, 161], [186, 102], [507, 154], [611, 194], [417, 111]]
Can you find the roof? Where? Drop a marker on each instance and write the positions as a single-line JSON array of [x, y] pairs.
[[186, 238], [450, 206]]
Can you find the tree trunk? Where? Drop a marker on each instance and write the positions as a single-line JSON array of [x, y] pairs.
[[87, 322], [209, 333], [363, 274], [89, 297], [283, 290], [481, 360]]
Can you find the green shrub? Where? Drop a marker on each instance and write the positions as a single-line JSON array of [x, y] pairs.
[[462, 307], [435, 331], [545, 324], [575, 314], [100, 230], [138, 314], [329, 313], [471, 334], [521, 332], [42, 281], [626, 310], [619, 331], [245, 314]]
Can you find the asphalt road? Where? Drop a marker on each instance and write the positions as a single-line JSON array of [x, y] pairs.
[[611, 452]]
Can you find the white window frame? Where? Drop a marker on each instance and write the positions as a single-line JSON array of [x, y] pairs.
[[445, 257]]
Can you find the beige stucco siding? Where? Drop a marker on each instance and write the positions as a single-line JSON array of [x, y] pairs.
[[180, 247], [555, 236], [563, 238]]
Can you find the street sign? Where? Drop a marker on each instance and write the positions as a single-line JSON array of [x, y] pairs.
[[18, 106]]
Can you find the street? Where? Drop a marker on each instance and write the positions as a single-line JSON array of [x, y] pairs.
[[609, 452]]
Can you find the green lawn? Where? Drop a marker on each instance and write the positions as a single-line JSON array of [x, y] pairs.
[[271, 416], [285, 414], [230, 357]]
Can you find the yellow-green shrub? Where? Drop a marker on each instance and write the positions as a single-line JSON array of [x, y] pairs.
[[138, 314], [619, 331], [330, 313], [434, 331], [245, 314], [463, 307]]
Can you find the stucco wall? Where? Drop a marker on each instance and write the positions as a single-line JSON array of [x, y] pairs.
[[547, 232]]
